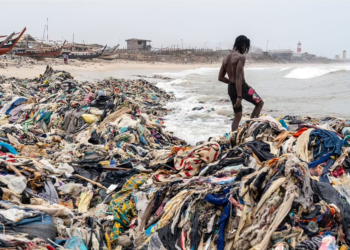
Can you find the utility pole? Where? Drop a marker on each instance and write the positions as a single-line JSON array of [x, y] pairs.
[[267, 45], [73, 42], [182, 44]]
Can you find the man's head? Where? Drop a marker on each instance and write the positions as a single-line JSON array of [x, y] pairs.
[[242, 44]]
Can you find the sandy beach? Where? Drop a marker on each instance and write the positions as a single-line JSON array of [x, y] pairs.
[[95, 70]]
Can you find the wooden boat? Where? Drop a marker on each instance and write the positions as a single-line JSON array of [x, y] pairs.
[[11, 43], [41, 53], [6, 40], [84, 54]]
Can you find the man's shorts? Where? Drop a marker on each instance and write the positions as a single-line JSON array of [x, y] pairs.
[[248, 94]]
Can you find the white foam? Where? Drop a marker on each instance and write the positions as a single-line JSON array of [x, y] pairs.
[[199, 71], [259, 68], [286, 68], [312, 72]]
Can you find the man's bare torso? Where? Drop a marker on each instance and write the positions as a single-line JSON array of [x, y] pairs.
[[230, 64]]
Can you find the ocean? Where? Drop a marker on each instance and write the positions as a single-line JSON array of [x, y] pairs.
[[202, 108]]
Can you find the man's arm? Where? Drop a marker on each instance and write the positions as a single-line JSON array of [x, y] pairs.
[[239, 79], [222, 74]]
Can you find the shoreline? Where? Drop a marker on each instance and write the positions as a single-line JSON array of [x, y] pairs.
[[126, 69]]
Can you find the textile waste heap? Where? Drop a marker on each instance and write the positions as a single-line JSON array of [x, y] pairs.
[[89, 166]]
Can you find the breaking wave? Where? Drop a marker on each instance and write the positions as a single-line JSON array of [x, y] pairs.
[[199, 71], [312, 72]]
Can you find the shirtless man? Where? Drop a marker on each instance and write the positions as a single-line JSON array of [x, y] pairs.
[[238, 89]]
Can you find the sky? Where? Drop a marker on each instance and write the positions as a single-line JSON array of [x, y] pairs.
[[321, 26]]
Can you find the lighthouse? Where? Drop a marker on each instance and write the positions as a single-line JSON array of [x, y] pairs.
[[299, 48]]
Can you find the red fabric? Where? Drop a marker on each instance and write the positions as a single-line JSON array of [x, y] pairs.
[[300, 131]]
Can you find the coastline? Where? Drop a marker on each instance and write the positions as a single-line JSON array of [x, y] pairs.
[[126, 69]]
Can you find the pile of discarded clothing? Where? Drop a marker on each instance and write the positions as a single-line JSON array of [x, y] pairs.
[[88, 165], [14, 61]]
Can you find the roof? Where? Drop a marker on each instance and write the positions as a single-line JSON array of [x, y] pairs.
[[135, 39], [29, 37]]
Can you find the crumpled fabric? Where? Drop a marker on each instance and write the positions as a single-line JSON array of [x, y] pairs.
[[123, 209], [190, 161]]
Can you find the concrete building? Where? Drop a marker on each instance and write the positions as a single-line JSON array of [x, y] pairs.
[[282, 54], [308, 56], [138, 44], [344, 54]]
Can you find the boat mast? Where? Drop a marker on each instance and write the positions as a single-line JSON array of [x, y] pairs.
[[44, 32], [47, 29]]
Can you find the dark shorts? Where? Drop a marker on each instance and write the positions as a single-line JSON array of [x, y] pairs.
[[248, 94]]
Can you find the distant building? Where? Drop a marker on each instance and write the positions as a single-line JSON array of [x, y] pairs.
[[308, 56], [138, 44], [344, 54], [282, 54], [337, 57], [27, 41]]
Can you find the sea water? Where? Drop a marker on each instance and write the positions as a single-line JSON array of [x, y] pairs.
[[317, 91]]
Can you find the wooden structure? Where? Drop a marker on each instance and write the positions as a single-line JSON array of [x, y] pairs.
[[7, 46], [41, 53], [84, 54], [138, 44]]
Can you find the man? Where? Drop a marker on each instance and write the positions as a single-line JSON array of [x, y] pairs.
[[238, 89]]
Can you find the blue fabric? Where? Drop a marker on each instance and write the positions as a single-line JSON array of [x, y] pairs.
[[327, 143], [42, 114], [324, 177], [143, 140], [18, 102], [220, 200], [75, 243], [42, 220], [123, 130], [11, 149], [223, 182], [148, 231], [319, 161], [283, 123]]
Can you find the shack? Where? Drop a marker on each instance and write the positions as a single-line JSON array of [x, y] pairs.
[[283, 54], [138, 44]]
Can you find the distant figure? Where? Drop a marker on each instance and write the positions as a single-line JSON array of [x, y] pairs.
[[67, 57], [64, 58], [211, 61], [238, 89], [185, 60]]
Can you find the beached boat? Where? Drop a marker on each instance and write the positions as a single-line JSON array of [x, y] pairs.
[[84, 54], [41, 53], [7, 46]]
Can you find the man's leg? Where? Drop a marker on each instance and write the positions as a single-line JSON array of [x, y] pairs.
[[236, 120], [254, 99], [257, 109]]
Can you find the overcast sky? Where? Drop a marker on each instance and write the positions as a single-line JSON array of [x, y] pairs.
[[321, 26]]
